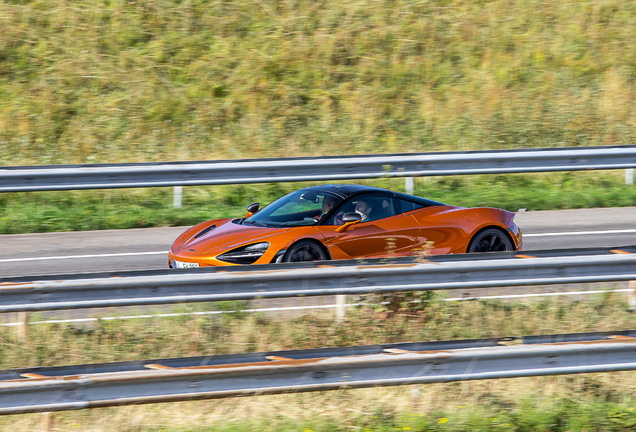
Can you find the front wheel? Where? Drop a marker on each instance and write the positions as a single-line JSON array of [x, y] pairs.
[[490, 240], [304, 250]]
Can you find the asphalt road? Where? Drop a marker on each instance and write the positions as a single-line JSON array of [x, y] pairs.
[[146, 249]]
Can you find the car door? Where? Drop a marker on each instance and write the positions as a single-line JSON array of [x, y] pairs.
[[437, 234], [386, 231]]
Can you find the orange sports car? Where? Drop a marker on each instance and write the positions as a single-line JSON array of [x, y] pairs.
[[333, 222]]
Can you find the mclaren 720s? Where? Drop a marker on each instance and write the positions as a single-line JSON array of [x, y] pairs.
[[333, 222]]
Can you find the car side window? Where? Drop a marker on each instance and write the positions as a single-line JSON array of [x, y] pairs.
[[407, 206], [296, 207], [369, 207]]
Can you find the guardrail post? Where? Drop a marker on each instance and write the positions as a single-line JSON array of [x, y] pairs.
[[23, 329], [631, 295], [629, 176], [415, 397], [408, 185], [341, 301], [178, 194], [46, 422]]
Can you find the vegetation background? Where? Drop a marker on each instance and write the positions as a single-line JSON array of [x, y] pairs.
[[155, 80], [98, 81], [585, 402]]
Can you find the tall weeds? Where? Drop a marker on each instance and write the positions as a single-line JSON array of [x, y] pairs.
[[117, 80]]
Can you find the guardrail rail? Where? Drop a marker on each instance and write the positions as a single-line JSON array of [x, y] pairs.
[[142, 175], [317, 281], [317, 370]]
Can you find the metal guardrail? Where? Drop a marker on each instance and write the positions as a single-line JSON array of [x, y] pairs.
[[111, 176], [511, 255], [282, 374], [230, 359], [359, 350], [325, 280]]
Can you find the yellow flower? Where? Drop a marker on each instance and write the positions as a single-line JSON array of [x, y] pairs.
[[442, 420]]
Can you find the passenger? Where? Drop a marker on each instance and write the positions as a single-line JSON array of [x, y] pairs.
[[327, 204]]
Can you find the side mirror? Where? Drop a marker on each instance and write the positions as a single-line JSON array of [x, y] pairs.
[[349, 219], [252, 208]]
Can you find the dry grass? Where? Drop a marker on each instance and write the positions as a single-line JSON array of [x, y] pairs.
[[114, 81], [57, 344], [530, 402], [465, 403]]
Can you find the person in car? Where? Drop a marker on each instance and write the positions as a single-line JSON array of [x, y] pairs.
[[364, 208], [327, 204]]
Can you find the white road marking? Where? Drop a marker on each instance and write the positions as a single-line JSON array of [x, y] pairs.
[[77, 320], [293, 308], [83, 256], [573, 233], [625, 231]]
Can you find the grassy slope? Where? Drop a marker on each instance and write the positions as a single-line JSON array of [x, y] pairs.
[[115, 81], [112, 80]]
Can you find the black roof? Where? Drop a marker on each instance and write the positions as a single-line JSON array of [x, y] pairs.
[[345, 191]]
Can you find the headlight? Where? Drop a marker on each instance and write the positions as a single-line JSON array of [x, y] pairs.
[[245, 254]]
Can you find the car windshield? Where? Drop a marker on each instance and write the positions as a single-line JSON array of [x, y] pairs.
[[300, 208]]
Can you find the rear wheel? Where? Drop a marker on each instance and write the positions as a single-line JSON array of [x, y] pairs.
[[490, 240], [305, 250]]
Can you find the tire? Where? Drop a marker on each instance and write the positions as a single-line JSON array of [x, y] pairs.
[[305, 250], [490, 240]]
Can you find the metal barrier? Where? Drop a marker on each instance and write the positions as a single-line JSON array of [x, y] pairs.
[[303, 354], [510, 255], [283, 373], [316, 281], [110, 176]]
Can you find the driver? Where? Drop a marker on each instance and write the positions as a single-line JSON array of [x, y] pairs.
[[363, 208], [327, 204]]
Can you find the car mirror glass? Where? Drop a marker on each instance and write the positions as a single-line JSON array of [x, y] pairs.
[[351, 217]]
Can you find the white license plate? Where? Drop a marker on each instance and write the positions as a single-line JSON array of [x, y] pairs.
[[179, 264]]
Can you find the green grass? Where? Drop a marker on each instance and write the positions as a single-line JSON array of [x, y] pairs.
[[140, 208], [529, 415]]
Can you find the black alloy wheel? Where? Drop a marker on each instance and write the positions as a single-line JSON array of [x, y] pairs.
[[490, 240], [304, 250]]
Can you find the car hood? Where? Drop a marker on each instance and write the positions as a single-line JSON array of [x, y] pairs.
[[227, 235]]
